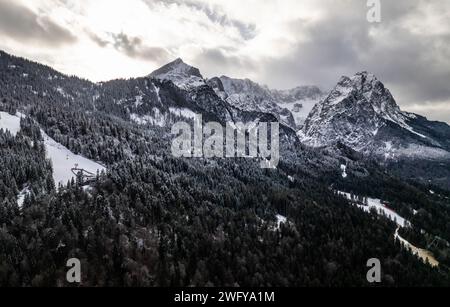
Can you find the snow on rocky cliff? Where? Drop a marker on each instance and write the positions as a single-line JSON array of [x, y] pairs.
[[181, 74], [362, 114]]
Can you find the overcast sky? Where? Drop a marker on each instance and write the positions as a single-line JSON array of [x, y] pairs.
[[281, 43]]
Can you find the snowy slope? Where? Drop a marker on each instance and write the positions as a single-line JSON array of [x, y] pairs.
[[300, 109], [63, 160], [10, 123], [380, 209], [280, 220], [22, 195], [299, 101]]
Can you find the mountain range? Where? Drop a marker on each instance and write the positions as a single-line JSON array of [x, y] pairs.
[[359, 112], [147, 218]]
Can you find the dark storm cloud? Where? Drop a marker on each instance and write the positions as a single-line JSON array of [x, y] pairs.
[[131, 46], [247, 31], [414, 65], [22, 24]]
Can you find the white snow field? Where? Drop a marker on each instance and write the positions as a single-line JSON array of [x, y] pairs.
[[280, 220], [21, 197], [9, 122], [183, 112], [344, 171], [301, 114], [63, 160], [381, 209]]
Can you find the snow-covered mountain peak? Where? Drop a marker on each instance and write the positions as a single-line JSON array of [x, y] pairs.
[[365, 90], [361, 113], [180, 73]]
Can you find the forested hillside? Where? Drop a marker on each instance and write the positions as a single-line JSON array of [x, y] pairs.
[[154, 220]]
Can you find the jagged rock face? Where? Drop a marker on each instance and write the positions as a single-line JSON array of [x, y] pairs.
[[189, 79], [289, 107], [250, 96], [362, 114], [216, 84], [210, 98]]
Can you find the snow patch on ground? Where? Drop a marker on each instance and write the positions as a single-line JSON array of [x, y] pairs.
[[157, 90], [9, 122], [344, 171], [413, 151], [182, 112], [62, 92], [419, 151], [138, 100], [280, 220], [380, 208], [21, 196], [157, 119], [300, 113], [63, 160]]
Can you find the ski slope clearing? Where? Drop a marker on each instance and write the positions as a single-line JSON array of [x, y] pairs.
[[63, 160], [9, 122], [380, 209]]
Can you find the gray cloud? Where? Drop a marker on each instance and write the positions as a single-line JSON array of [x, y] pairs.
[[218, 60], [131, 46], [409, 50], [247, 31], [414, 65], [20, 23], [97, 39]]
